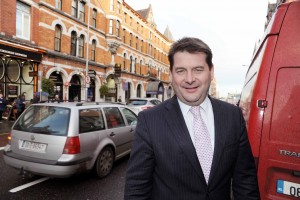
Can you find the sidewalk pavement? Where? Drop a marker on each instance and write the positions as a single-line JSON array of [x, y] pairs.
[[5, 127]]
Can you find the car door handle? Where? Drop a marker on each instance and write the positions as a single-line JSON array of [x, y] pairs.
[[112, 134]]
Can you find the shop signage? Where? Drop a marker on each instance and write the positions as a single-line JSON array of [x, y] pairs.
[[9, 50], [33, 73], [118, 70], [92, 73]]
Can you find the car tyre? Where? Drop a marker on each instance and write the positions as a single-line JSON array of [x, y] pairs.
[[104, 162]]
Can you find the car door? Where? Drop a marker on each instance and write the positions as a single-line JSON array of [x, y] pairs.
[[118, 132]]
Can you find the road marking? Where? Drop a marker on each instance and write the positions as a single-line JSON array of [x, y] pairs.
[[22, 187]]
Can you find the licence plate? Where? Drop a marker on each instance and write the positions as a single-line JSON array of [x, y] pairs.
[[34, 146], [288, 188]]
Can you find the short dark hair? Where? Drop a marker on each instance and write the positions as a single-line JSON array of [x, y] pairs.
[[191, 45]]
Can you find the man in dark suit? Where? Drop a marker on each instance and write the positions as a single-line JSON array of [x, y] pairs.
[[168, 160]]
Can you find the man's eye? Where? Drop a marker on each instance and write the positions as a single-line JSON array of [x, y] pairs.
[[198, 69], [180, 71]]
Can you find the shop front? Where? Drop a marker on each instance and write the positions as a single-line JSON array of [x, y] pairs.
[[18, 70]]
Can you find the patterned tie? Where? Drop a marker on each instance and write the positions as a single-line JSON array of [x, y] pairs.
[[202, 142]]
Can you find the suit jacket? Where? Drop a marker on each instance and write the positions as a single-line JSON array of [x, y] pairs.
[[163, 163]]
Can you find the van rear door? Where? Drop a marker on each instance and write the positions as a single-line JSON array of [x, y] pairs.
[[279, 158]]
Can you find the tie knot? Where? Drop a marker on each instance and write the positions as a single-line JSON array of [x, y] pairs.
[[195, 110]]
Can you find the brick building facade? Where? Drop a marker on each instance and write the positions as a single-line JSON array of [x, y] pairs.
[[82, 45]]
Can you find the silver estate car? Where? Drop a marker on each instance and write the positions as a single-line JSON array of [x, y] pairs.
[[62, 139]]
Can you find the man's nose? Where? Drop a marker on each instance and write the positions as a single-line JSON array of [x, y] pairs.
[[189, 77]]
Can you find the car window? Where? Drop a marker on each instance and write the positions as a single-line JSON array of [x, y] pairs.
[[130, 116], [48, 120], [155, 102], [136, 102], [113, 117], [90, 120]]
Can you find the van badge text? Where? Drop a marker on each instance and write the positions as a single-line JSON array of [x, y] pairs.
[[289, 153]]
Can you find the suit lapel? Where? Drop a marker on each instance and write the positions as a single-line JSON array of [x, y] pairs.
[[176, 123], [220, 136]]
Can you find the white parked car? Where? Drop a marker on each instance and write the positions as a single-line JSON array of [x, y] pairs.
[[140, 104]]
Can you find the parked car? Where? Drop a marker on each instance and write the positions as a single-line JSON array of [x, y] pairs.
[[62, 139], [140, 104], [270, 104]]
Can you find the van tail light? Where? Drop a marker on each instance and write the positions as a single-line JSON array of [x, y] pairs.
[[9, 138], [145, 107], [72, 145]]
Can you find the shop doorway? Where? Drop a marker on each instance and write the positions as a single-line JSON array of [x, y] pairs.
[[75, 89]]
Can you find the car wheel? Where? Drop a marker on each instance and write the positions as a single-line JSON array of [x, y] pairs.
[[104, 162]]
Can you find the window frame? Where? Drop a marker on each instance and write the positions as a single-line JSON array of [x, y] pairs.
[[57, 38], [93, 56], [94, 24], [81, 46], [74, 42], [23, 13]]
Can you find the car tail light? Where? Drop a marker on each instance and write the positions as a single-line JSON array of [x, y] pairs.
[[72, 145], [145, 107], [9, 138]]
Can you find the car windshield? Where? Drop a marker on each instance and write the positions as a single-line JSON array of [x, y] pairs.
[[137, 102], [44, 120]]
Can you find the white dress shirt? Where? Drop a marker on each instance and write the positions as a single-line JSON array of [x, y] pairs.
[[207, 115]]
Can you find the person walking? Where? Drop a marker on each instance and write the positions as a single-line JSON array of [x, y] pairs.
[[20, 104], [191, 146], [2, 105]]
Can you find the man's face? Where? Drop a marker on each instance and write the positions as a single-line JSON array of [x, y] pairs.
[[191, 77]]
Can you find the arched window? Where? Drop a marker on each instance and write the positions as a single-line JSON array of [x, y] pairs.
[[124, 36], [73, 43], [135, 62], [93, 57], [131, 64], [140, 66], [94, 23], [124, 61], [118, 28], [57, 39], [81, 46]]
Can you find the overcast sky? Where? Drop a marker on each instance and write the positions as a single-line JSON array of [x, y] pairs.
[[230, 28]]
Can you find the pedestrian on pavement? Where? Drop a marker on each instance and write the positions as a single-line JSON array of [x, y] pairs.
[[2, 105], [191, 146], [20, 104]]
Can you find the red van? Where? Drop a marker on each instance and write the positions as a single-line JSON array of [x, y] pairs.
[[270, 102]]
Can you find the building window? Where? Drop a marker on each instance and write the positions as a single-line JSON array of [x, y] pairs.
[[110, 31], [81, 46], [150, 36], [137, 26], [23, 21], [130, 21], [111, 5], [124, 36], [134, 69], [131, 64], [94, 18], [142, 43], [136, 42], [81, 11], [57, 40], [58, 4], [118, 28], [119, 7], [93, 57], [74, 8], [140, 66], [73, 43], [124, 61], [125, 17], [130, 39]]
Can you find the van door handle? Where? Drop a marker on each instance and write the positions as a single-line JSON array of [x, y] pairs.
[[112, 134], [295, 173]]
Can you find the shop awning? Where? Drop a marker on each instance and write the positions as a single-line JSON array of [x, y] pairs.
[[155, 87]]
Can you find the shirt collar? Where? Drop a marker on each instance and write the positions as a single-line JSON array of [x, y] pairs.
[[186, 108]]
